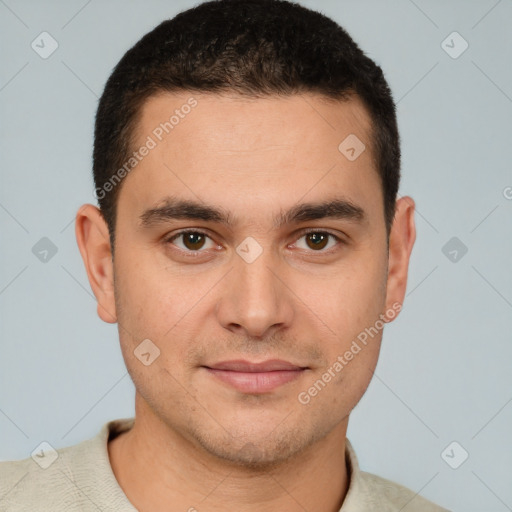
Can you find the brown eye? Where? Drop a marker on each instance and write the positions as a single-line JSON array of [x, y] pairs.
[[192, 241], [317, 240]]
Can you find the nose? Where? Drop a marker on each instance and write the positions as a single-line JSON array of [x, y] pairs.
[[255, 300]]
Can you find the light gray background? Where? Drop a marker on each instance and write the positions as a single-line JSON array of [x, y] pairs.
[[445, 369]]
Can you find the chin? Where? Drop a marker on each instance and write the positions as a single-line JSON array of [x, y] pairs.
[[257, 451]]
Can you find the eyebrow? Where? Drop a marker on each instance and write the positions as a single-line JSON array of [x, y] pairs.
[[175, 209]]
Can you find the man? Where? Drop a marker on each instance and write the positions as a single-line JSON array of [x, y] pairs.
[[250, 247]]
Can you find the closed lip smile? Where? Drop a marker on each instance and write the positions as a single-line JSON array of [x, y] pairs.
[[255, 377]]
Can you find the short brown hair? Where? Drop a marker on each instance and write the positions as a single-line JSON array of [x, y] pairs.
[[251, 47]]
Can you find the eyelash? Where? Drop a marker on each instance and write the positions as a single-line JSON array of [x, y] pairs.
[[193, 254]]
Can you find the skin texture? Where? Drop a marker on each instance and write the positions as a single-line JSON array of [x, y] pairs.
[[198, 442]]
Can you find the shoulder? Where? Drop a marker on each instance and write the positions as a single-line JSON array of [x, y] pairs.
[[386, 495], [44, 484], [74, 478], [368, 492]]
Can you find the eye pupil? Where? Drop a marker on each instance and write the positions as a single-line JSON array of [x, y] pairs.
[[319, 240], [193, 240]]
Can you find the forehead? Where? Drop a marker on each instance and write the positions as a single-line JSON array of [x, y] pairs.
[[245, 151], [239, 123]]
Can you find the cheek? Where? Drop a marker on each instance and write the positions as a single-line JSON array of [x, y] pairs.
[[160, 304], [147, 298], [350, 305], [351, 298], [150, 309]]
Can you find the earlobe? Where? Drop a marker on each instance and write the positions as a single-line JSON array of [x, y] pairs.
[[401, 242], [93, 241]]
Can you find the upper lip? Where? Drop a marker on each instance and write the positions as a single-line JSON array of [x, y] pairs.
[[240, 365]]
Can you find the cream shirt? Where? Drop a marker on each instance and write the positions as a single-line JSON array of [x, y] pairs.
[[81, 479]]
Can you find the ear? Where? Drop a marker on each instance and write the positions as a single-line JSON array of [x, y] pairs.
[[401, 241], [93, 240]]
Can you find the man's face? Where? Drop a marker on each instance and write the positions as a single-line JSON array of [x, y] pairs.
[[265, 286]]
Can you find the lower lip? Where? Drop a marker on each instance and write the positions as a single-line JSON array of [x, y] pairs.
[[256, 382]]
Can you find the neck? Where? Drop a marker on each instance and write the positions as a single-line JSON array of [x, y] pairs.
[[155, 467]]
